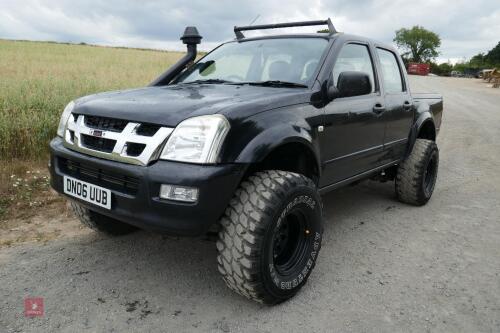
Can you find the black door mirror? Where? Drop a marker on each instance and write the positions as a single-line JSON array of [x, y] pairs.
[[350, 84]]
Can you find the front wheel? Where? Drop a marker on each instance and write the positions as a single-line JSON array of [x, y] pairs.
[[99, 222], [270, 236]]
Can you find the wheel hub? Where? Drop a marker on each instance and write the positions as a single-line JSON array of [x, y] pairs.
[[430, 174], [290, 242]]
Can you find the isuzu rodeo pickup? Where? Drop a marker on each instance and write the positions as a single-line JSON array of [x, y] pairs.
[[246, 139]]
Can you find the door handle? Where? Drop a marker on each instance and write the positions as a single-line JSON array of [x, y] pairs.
[[407, 105], [378, 108]]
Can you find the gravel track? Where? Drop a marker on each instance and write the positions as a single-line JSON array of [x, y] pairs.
[[384, 265]]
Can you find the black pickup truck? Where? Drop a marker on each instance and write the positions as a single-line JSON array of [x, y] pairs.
[[245, 140]]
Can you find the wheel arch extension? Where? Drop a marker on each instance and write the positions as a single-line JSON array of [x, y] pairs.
[[427, 130], [294, 153], [423, 128]]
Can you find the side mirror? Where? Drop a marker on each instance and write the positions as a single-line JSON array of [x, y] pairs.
[[350, 84]]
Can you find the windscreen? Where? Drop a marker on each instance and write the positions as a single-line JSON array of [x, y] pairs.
[[276, 59]]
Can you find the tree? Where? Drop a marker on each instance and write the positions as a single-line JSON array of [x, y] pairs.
[[460, 67], [443, 69], [478, 61], [493, 56], [418, 44]]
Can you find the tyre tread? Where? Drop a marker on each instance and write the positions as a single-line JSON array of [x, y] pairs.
[[411, 171], [100, 223], [244, 226]]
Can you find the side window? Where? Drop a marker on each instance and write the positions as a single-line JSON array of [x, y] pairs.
[[354, 57], [391, 74]]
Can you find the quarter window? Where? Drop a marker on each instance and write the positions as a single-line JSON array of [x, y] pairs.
[[391, 74], [354, 57]]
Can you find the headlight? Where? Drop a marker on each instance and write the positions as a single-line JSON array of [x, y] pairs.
[[197, 140], [64, 118]]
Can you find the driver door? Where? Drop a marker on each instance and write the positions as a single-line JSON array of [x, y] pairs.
[[353, 136]]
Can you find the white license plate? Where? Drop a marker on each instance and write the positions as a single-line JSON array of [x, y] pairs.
[[87, 192]]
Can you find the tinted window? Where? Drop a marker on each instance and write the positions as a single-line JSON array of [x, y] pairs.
[[391, 75], [354, 57], [283, 59]]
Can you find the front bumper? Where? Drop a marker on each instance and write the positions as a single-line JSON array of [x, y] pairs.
[[143, 207]]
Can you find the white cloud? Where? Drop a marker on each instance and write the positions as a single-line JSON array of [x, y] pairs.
[[466, 27]]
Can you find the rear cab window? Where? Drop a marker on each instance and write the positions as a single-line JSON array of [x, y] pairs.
[[392, 77]]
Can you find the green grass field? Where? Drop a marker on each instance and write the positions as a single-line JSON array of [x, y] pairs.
[[38, 79]]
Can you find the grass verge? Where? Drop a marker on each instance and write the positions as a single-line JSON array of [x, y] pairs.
[[38, 79]]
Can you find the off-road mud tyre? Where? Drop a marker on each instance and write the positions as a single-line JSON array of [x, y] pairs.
[[270, 236], [416, 176], [99, 222]]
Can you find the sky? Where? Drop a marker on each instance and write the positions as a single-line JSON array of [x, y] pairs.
[[465, 27]]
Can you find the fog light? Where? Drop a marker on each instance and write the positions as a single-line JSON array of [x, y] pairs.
[[178, 193]]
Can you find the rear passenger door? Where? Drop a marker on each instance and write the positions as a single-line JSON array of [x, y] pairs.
[[398, 103]]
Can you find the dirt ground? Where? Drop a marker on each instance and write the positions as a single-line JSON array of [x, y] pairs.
[[384, 266], [30, 211]]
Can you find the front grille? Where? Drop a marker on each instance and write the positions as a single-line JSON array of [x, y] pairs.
[[135, 149], [147, 129], [97, 143], [107, 179], [115, 139], [105, 124]]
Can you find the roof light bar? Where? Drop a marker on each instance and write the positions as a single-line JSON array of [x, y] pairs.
[[239, 34]]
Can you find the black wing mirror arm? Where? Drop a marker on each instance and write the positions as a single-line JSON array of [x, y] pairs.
[[332, 92]]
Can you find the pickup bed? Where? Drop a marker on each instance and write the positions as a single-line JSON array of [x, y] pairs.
[[244, 141]]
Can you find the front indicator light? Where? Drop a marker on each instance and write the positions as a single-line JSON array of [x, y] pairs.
[[178, 193]]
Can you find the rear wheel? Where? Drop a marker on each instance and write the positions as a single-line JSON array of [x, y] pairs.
[[270, 236], [416, 176], [100, 222]]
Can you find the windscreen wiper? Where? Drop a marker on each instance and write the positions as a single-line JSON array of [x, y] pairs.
[[209, 81], [275, 83]]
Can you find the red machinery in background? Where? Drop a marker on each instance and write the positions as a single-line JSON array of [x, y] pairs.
[[418, 69]]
